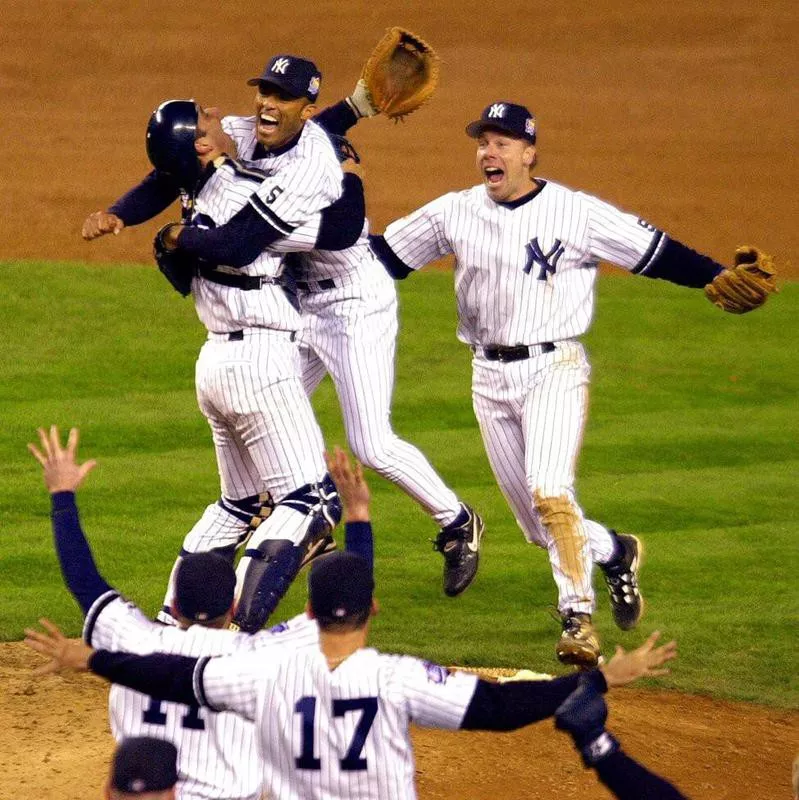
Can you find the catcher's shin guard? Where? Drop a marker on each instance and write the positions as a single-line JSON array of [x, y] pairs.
[[279, 546], [272, 566]]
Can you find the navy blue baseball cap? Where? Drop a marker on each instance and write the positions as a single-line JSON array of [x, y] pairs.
[[143, 764], [204, 586], [294, 75], [339, 586], [510, 118]]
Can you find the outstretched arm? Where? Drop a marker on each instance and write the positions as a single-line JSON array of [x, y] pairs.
[[144, 201], [512, 705]]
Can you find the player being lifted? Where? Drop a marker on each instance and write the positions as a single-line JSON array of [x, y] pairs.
[[526, 256]]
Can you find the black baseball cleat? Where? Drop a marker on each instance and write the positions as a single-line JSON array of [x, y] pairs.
[[621, 578], [579, 643], [317, 549], [460, 546]]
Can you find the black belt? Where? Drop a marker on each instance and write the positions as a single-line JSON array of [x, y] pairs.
[[246, 282], [315, 286], [517, 353], [238, 336]]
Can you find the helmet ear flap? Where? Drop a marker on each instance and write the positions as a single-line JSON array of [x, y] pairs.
[[171, 133]]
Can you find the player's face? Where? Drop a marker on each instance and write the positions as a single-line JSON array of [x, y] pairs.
[[504, 162], [211, 138], [279, 117]]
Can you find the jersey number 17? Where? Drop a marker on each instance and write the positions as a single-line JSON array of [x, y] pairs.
[[352, 761]]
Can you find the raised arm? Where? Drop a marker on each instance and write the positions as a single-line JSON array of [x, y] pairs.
[[62, 477]]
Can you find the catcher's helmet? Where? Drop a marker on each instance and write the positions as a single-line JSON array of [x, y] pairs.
[[171, 132]]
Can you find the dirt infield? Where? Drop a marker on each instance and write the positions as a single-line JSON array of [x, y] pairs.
[[681, 111], [55, 744]]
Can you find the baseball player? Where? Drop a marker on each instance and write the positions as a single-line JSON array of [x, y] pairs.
[[526, 256], [348, 305], [332, 717], [217, 752]]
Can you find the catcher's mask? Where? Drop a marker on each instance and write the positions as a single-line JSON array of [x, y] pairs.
[[171, 133]]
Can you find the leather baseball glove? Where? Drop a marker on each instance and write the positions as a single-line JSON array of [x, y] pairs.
[[400, 75], [747, 285], [177, 267]]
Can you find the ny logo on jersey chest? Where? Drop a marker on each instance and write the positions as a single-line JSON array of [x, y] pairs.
[[547, 261]]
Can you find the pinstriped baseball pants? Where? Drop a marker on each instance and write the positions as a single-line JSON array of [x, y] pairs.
[[531, 415]]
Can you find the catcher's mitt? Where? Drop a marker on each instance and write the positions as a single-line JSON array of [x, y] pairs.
[[401, 73], [177, 267], [747, 285]]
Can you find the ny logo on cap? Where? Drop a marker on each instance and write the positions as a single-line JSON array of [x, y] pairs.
[[497, 110], [281, 65]]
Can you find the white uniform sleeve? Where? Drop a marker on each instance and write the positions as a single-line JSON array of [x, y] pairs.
[[419, 238], [231, 683], [114, 623], [436, 697], [294, 633], [621, 238]]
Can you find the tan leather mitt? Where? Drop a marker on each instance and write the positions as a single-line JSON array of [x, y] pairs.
[[401, 73], [747, 285]]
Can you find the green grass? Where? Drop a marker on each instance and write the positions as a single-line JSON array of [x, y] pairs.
[[691, 442]]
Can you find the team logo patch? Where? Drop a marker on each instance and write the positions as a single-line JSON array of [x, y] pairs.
[[529, 126], [547, 261], [497, 111], [435, 672], [280, 66], [313, 86]]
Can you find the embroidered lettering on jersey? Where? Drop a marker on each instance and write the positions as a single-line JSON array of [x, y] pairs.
[[547, 261]]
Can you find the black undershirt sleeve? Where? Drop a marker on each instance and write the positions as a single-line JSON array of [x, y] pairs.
[[394, 265], [512, 705], [342, 221], [679, 264], [147, 200], [164, 677], [236, 243], [629, 780], [337, 119]]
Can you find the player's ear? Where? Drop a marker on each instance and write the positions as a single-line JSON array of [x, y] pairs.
[[308, 111], [309, 610], [375, 609], [529, 156]]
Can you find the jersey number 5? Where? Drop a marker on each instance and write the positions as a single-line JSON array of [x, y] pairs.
[[352, 761]]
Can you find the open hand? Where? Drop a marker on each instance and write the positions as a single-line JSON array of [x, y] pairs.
[[64, 654], [643, 662], [352, 487], [62, 472]]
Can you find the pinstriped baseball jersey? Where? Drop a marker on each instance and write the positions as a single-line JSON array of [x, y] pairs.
[[224, 308], [301, 179], [524, 273], [340, 733], [217, 752], [320, 263]]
